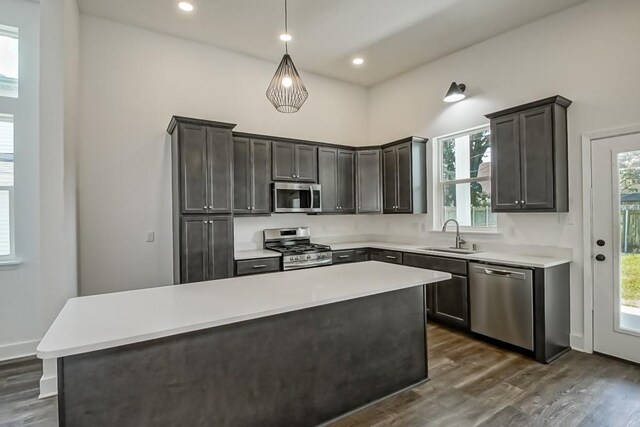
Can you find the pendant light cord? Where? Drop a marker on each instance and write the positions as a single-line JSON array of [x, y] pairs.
[[286, 30]]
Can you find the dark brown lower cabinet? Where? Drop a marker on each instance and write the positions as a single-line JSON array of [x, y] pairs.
[[257, 266], [206, 248], [393, 257], [448, 301]]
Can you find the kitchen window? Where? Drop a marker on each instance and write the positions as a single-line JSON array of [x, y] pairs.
[[8, 61], [8, 107], [463, 180], [6, 186]]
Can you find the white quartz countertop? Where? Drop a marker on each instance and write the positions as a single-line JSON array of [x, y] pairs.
[[494, 257], [256, 253], [109, 320]]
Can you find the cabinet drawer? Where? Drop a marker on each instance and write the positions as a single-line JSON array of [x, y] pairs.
[[256, 266], [386, 256], [343, 256], [362, 255], [448, 265]]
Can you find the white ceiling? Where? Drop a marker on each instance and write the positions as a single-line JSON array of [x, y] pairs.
[[392, 35]]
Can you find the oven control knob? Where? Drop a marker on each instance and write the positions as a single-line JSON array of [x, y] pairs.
[[308, 256]]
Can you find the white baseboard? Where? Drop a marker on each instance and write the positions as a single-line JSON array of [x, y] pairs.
[[49, 380], [18, 350], [577, 342]]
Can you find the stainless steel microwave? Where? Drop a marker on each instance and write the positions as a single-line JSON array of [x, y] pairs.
[[296, 198]]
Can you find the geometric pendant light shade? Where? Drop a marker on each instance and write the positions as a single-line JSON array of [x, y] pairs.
[[286, 90]]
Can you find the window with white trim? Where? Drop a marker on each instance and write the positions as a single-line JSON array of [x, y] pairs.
[[8, 106], [463, 180]]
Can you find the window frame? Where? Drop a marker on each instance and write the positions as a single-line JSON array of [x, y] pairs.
[[10, 106], [439, 183]]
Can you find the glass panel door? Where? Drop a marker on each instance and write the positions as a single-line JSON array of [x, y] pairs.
[[627, 300]]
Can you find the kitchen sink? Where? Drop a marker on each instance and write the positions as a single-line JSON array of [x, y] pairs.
[[451, 250]]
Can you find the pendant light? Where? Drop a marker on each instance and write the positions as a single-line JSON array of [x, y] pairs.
[[286, 90]]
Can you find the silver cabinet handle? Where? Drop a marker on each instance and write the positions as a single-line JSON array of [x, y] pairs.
[[205, 207], [343, 256], [517, 202], [260, 266], [522, 202], [249, 207], [391, 257], [210, 207]]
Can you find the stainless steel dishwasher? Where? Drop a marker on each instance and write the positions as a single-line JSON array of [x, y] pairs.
[[502, 303]]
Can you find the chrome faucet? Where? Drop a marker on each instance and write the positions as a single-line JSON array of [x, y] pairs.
[[459, 240]]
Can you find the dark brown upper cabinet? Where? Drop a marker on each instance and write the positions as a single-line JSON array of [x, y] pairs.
[[336, 174], [529, 166], [202, 162], [251, 176], [404, 176], [294, 162], [369, 181]]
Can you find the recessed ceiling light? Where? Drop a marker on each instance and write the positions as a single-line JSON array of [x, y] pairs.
[[357, 61], [186, 6], [285, 37]]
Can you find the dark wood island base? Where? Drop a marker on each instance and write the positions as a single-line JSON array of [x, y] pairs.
[[301, 368]]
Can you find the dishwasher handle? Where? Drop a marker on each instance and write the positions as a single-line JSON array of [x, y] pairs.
[[500, 272]]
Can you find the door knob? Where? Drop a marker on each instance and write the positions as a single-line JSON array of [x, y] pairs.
[[600, 257], [600, 242]]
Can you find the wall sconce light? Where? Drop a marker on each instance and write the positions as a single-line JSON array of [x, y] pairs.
[[455, 92]]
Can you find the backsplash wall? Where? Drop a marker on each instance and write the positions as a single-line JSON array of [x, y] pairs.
[[399, 229]]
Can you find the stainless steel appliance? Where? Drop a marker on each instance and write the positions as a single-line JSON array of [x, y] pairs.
[[296, 248], [295, 197], [502, 303]]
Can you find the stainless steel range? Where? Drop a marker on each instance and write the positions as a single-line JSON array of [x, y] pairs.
[[296, 248]]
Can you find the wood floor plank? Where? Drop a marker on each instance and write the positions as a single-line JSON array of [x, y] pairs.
[[472, 383]]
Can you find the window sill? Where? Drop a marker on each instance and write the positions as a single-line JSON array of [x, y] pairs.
[[10, 263], [491, 231]]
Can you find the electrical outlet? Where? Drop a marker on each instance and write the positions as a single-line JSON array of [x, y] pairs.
[[151, 236]]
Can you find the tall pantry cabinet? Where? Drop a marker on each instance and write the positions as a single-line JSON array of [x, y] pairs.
[[202, 177]]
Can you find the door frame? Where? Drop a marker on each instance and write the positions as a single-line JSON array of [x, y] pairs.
[[588, 140]]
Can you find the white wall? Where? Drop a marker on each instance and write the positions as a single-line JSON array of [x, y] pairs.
[[132, 82], [587, 53]]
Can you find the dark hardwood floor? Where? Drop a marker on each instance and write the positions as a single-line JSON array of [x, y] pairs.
[[472, 383]]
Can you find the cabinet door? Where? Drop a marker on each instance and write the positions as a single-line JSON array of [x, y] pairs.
[[193, 168], [261, 174], [346, 187], [284, 161], [220, 247], [404, 189], [362, 255], [220, 156], [241, 175], [194, 248], [328, 178], [306, 163], [536, 158], [505, 164], [369, 182], [451, 301], [390, 180]]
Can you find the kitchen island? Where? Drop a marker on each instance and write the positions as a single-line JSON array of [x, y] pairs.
[[294, 348]]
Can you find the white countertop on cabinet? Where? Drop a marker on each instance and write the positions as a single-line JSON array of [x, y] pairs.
[[104, 321], [255, 254], [493, 257]]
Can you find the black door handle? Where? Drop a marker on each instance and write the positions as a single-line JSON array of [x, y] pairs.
[[600, 257], [600, 242]]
